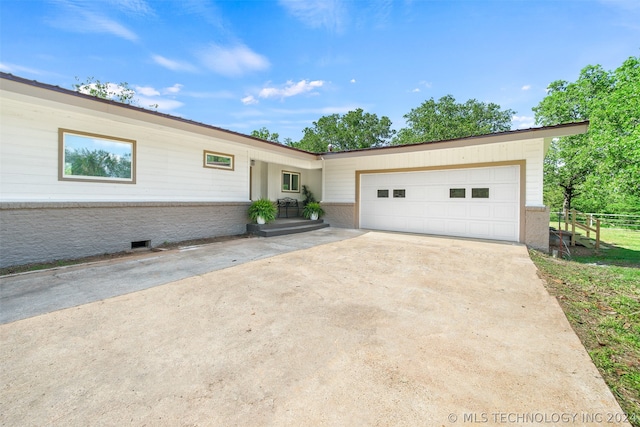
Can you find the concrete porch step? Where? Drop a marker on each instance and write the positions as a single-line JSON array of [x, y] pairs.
[[280, 227]]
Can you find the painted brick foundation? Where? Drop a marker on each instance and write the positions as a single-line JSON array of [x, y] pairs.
[[537, 227], [341, 215], [40, 232]]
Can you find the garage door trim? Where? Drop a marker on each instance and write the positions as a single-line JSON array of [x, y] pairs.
[[520, 163]]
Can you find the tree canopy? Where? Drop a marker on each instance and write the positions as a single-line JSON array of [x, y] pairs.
[[598, 171], [351, 131], [117, 92], [448, 119], [264, 133]]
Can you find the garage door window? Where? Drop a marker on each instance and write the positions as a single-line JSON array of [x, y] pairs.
[[480, 193], [383, 193], [457, 193], [398, 194]]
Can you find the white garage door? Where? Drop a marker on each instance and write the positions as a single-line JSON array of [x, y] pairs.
[[474, 202]]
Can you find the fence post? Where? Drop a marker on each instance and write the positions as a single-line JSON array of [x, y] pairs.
[[573, 227], [597, 234], [566, 219], [590, 225]]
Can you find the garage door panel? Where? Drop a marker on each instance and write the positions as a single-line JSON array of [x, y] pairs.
[[428, 208], [508, 174], [457, 211], [456, 227], [504, 231], [504, 212], [480, 228], [484, 211], [480, 175], [503, 193]]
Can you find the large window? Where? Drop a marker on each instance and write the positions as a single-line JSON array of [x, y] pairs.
[[290, 182], [98, 158]]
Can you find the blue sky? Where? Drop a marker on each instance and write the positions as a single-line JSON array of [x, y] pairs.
[[243, 65]]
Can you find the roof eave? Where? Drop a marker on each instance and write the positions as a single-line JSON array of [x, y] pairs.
[[546, 132], [53, 93]]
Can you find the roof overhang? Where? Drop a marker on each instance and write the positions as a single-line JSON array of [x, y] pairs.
[[30, 88], [22, 87], [546, 133]]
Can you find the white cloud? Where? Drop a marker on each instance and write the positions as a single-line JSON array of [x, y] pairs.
[[147, 91], [526, 87], [249, 100], [173, 89], [86, 18], [330, 14], [173, 65], [318, 111], [221, 94], [232, 61], [523, 122], [421, 84], [93, 23], [12, 68], [164, 105], [352, 81], [136, 6], [291, 89]]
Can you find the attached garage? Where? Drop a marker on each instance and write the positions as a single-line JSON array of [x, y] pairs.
[[479, 202]]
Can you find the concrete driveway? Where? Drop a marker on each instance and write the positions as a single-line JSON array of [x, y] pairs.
[[376, 329]]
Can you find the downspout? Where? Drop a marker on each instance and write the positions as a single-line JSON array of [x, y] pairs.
[[322, 180]]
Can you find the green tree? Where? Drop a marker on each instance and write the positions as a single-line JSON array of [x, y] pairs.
[[351, 131], [263, 133], [116, 92], [85, 162], [447, 119], [598, 171]]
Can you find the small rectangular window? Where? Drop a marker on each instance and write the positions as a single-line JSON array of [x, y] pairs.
[[457, 193], [218, 160], [383, 193], [290, 182], [480, 193], [398, 194]]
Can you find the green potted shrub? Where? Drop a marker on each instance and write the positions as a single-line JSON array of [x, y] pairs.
[[312, 210], [262, 211], [308, 196]]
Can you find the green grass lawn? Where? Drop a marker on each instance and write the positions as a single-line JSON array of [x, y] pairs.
[[600, 295]]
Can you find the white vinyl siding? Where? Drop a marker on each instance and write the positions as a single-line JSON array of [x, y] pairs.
[[168, 160], [340, 172]]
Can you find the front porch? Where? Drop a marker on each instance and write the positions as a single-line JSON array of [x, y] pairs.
[[282, 226]]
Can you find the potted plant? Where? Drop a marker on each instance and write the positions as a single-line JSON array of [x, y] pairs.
[[308, 196], [262, 211], [312, 210]]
